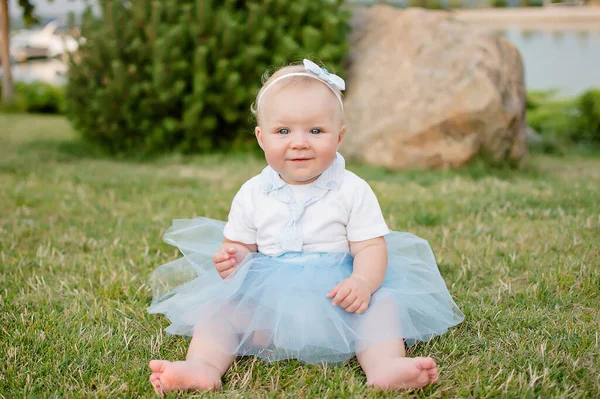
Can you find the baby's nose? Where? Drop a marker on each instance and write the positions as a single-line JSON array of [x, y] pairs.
[[300, 141]]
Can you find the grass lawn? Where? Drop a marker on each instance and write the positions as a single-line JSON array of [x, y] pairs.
[[81, 233]]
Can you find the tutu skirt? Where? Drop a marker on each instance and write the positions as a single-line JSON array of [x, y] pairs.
[[276, 307]]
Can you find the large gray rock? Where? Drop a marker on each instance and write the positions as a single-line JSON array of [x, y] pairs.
[[427, 91]]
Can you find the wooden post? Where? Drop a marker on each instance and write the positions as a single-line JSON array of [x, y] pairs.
[[8, 90]]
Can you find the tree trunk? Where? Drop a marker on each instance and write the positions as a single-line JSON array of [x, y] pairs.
[[8, 90]]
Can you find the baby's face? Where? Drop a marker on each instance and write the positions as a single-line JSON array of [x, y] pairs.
[[300, 130]]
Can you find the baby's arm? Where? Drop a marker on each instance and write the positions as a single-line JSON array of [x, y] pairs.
[[230, 255], [370, 263]]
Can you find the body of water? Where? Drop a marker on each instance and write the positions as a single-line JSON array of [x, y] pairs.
[[568, 61], [565, 60], [49, 71]]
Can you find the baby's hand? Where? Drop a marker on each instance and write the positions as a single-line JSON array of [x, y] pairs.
[[226, 261], [352, 294]]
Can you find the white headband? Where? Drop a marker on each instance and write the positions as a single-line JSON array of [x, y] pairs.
[[314, 71]]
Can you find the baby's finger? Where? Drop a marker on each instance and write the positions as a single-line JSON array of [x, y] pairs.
[[220, 257], [354, 306], [363, 308], [349, 300], [227, 273], [341, 295], [333, 291], [222, 266], [232, 250]]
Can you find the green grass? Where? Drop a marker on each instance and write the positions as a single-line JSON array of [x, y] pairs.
[[80, 234]]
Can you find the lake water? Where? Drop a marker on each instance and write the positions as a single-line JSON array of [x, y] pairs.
[[565, 60], [49, 71]]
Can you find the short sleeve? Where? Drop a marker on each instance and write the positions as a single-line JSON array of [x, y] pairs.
[[366, 220], [240, 223]]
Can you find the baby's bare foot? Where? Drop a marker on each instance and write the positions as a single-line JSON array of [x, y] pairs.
[[182, 376], [404, 373]]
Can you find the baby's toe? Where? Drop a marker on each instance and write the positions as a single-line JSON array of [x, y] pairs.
[[155, 381], [425, 363], [158, 366], [433, 375]]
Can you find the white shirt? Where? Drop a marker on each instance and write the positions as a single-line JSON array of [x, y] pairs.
[[322, 216]]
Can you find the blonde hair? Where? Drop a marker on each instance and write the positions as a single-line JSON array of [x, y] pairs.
[[292, 80]]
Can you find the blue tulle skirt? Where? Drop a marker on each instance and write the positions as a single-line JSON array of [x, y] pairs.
[[276, 307]]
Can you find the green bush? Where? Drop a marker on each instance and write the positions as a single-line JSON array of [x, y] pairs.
[[588, 118], [453, 4], [436, 5], [532, 3], [428, 4], [552, 118], [157, 76], [566, 120], [37, 97]]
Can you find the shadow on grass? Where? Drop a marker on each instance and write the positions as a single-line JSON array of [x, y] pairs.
[[77, 150], [482, 167], [61, 150], [477, 169]]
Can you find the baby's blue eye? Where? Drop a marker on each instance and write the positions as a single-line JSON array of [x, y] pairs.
[[315, 131], [283, 131]]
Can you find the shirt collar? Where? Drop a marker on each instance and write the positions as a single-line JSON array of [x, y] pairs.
[[329, 179]]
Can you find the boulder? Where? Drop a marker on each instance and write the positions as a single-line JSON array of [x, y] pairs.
[[428, 91]]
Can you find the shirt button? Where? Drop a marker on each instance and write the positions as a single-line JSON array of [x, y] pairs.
[[331, 184]]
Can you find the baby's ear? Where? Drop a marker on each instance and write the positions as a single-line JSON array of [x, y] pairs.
[[341, 136], [258, 135]]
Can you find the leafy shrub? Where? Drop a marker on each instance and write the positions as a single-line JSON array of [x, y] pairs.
[[428, 4], [588, 120], [156, 76], [532, 3], [552, 118], [38, 97], [567, 120], [452, 4]]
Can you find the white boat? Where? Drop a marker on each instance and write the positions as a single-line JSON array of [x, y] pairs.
[[44, 43]]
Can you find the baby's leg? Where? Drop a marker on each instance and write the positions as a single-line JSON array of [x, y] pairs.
[[208, 358], [384, 363]]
